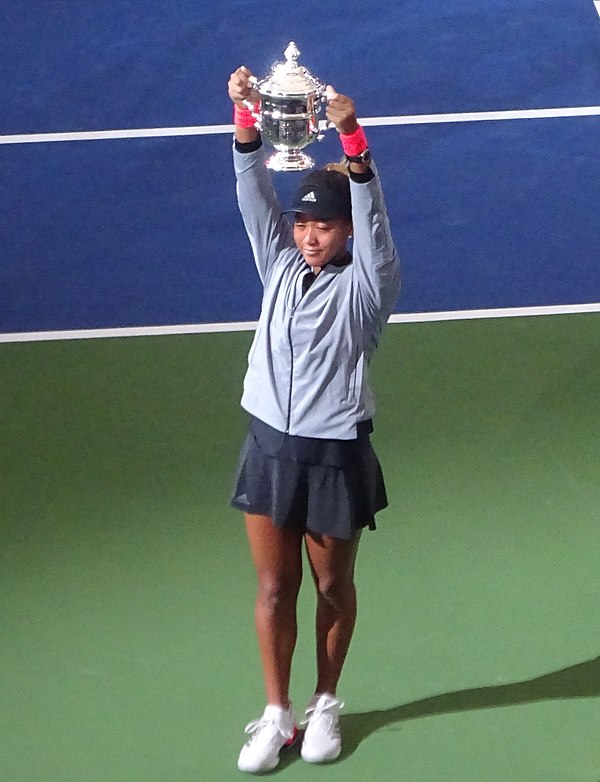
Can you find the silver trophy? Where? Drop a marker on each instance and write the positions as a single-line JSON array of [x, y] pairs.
[[290, 101]]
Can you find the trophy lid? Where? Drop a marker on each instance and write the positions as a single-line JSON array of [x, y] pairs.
[[290, 79]]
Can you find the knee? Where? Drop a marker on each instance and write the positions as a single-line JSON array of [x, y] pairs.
[[277, 590], [336, 592]]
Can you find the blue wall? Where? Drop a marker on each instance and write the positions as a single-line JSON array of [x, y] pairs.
[[145, 231]]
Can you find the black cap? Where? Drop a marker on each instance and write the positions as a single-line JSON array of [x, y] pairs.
[[325, 195]]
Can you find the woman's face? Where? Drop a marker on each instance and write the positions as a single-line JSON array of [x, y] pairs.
[[320, 241]]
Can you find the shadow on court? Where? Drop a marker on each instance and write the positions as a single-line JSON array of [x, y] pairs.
[[578, 681]]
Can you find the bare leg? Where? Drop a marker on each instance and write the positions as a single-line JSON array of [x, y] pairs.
[[332, 563], [277, 555]]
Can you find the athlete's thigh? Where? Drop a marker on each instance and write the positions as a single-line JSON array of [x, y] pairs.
[[332, 558], [274, 549]]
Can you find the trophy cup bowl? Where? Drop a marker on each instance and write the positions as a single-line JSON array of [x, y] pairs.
[[290, 101]]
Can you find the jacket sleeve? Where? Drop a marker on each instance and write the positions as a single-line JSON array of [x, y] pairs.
[[268, 230], [374, 257]]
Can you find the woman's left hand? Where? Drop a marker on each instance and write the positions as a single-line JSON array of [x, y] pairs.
[[341, 111]]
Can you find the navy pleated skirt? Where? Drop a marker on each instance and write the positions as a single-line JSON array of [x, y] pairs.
[[329, 487]]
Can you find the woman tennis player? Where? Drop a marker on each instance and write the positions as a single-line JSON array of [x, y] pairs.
[[307, 472]]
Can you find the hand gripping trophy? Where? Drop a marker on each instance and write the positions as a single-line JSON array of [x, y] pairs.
[[291, 99]]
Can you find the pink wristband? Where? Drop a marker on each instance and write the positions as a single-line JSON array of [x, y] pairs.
[[354, 143], [244, 118]]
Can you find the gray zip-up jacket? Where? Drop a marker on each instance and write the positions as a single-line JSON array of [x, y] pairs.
[[307, 367]]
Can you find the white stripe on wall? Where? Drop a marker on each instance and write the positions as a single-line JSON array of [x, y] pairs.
[[213, 328], [209, 130]]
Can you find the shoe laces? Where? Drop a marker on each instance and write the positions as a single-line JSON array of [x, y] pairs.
[[255, 727], [325, 711]]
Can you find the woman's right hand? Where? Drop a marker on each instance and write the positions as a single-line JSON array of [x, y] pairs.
[[240, 87]]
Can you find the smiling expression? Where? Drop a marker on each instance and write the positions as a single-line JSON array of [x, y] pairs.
[[320, 241]]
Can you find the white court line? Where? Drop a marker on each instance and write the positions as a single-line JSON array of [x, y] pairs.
[[484, 116], [216, 328], [508, 312], [209, 130], [108, 135], [597, 4]]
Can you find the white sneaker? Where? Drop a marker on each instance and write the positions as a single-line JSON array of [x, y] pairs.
[[273, 731], [322, 739]]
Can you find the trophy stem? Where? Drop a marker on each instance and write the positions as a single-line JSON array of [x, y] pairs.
[[289, 160]]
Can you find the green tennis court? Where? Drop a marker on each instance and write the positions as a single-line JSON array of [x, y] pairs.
[[126, 634]]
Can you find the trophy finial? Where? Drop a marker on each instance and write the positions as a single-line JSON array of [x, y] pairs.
[[292, 53]]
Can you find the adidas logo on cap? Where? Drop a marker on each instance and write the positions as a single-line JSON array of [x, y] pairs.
[[310, 197]]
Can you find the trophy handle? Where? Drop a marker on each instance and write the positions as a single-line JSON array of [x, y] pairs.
[[253, 81], [324, 124], [249, 105]]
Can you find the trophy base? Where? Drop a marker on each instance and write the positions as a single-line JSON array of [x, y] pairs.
[[289, 160]]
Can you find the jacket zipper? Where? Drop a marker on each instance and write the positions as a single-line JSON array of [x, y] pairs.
[[291, 318], [289, 410]]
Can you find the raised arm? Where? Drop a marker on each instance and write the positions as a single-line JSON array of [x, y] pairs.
[[375, 260], [269, 232]]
